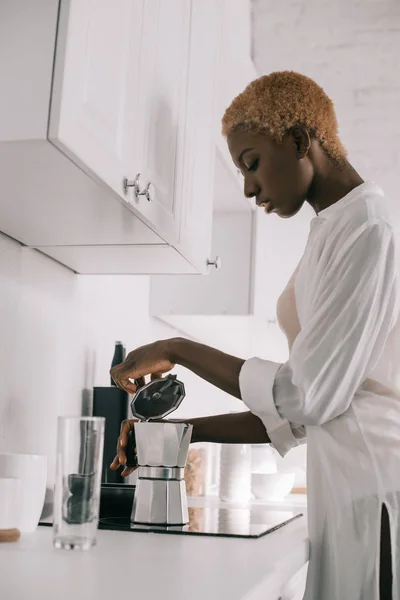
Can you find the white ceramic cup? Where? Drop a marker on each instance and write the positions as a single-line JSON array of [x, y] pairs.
[[31, 469], [10, 500]]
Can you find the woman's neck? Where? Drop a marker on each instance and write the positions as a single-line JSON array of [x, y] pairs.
[[331, 182]]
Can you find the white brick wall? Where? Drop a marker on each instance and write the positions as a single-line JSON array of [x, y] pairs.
[[352, 49]]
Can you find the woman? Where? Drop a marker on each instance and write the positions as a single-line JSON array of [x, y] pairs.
[[338, 390]]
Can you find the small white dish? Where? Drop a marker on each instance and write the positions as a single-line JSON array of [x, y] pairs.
[[272, 486]]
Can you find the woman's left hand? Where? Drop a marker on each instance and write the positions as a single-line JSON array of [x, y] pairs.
[[126, 449]]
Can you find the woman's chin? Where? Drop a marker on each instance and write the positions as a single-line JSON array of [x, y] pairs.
[[287, 213]]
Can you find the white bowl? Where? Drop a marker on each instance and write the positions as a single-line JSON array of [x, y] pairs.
[[272, 486], [31, 469], [10, 500]]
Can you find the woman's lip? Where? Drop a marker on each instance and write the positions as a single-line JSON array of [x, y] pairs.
[[268, 208]]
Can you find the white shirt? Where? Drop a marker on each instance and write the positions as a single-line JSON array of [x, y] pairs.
[[340, 392]]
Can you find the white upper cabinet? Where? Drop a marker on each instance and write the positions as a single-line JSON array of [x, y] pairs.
[[97, 52], [158, 90], [196, 163], [110, 130], [119, 98]]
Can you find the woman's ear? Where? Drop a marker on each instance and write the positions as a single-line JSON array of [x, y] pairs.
[[301, 141]]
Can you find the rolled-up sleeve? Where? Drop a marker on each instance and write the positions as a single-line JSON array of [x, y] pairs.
[[353, 310], [256, 382]]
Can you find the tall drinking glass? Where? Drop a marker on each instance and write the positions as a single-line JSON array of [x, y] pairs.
[[80, 444]]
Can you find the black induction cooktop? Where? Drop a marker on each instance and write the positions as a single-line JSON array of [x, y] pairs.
[[250, 522]]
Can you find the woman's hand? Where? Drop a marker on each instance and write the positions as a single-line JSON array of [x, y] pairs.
[[126, 449], [152, 359]]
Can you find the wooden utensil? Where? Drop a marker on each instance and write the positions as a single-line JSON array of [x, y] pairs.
[[9, 535], [299, 490]]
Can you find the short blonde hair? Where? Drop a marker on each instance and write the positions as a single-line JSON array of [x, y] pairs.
[[275, 103]]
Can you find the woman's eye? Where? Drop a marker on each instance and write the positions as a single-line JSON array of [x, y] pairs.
[[253, 165]]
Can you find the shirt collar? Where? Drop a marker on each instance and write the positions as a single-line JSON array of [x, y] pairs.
[[347, 201]]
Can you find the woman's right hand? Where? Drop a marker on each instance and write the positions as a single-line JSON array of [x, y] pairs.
[[152, 359], [126, 449]]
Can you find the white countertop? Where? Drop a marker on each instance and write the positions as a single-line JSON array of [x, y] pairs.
[[150, 566]]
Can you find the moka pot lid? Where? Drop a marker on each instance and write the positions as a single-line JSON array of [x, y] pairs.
[[158, 398]]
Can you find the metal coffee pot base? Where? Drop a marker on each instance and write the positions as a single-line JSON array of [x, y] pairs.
[[160, 502], [160, 495]]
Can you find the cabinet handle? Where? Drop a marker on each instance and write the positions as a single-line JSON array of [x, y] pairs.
[[134, 183], [148, 191], [217, 263]]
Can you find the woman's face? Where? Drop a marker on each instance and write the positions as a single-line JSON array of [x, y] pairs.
[[277, 175]]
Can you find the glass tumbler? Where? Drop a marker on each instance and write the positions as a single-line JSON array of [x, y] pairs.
[[80, 442]]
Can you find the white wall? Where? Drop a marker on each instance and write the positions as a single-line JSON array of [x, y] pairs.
[[57, 334], [118, 308], [43, 348]]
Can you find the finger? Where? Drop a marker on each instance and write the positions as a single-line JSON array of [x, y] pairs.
[[121, 454], [120, 375], [126, 427], [128, 371], [114, 373], [128, 471], [140, 382], [117, 368], [156, 375], [126, 385], [129, 387], [123, 440], [115, 464], [125, 369]]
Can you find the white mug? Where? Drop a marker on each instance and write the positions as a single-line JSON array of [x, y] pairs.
[[31, 469], [10, 502]]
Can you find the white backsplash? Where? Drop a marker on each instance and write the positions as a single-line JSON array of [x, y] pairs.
[[43, 344]]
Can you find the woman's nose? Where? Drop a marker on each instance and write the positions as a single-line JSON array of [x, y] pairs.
[[251, 188]]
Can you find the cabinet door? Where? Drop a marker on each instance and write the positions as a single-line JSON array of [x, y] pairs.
[[159, 118], [97, 55], [202, 123], [226, 291]]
